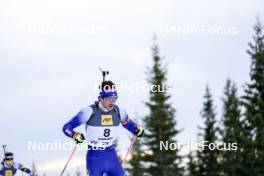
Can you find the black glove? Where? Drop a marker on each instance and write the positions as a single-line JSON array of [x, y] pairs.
[[78, 137], [139, 132]]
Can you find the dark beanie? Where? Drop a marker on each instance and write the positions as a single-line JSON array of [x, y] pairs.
[[9, 155]]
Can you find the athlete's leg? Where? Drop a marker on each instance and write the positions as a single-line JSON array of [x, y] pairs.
[[94, 164], [115, 168]]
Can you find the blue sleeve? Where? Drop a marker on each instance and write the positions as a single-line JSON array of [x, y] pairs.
[[22, 168], [68, 128], [27, 170], [127, 122]]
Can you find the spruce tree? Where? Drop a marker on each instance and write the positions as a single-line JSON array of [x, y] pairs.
[[253, 102], [78, 172], [160, 123], [207, 158], [231, 132], [136, 163], [34, 170], [192, 165]]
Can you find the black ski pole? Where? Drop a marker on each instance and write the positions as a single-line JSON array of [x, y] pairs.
[[104, 73], [4, 148]]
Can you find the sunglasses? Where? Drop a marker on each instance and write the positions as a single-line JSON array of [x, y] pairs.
[[9, 159], [111, 99]]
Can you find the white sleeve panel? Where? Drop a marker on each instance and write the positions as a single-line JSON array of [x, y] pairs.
[[87, 112], [123, 114]]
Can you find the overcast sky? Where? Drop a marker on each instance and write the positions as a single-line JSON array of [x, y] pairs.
[[50, 52]]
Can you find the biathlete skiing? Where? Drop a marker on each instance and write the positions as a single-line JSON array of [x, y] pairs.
[[9, 167], [101, 121]]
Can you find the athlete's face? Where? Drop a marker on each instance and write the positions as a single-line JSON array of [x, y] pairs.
[[109, 102], [8, 162]]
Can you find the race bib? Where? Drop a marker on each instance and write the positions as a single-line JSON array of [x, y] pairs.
[[102, 136]]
